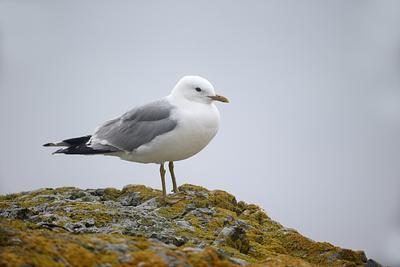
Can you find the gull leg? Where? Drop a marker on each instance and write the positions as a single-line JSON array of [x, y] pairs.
[[162, 174], [171, 170]]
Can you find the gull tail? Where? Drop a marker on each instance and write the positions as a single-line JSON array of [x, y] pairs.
[[71, 142], [77, 146]]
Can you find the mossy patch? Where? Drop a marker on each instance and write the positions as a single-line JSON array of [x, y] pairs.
[[135, 226], [194, 188], [224, 200], [173, 211], [146, 193]]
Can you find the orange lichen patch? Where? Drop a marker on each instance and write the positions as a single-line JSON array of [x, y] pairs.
[[41, 247], [285, 260], [141, 243], [4, 205], [31, 248], [231, 232], [208, 257], [77, 255], [145, 258]]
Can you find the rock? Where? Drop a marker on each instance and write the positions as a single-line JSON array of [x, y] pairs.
[[120, 248], [234, 236], [150, 204], [185, 225], [131, 199], [238, 261], [77, 194], [21, 213], [136, 227], [372, 263]]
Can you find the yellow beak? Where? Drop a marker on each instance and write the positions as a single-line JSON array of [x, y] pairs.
[[219, 98]]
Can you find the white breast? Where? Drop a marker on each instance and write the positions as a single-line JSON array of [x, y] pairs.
[[197, 124]]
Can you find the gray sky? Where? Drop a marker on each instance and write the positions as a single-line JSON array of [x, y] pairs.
[[311, 134]]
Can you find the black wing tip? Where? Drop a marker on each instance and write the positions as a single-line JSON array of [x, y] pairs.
[[77, 141], [59, 151], [77, 146], [81, 150], [72, 142]]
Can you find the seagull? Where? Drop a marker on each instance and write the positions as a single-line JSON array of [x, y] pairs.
[[173, 128]]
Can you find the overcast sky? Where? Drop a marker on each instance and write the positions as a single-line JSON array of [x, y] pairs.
[[311, 133]]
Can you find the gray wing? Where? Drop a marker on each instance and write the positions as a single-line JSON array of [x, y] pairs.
[[137, 126]]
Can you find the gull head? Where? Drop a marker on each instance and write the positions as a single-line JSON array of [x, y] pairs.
[[197, 89]]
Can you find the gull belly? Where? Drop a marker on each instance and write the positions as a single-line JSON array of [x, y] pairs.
[[196, 127]]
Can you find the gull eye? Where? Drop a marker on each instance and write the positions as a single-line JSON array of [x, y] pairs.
[[198, 89]]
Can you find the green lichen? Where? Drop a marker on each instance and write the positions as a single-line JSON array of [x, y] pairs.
[[224, 200], [8, 197], [173, 211], [215, 219], [81, 211], [190, 187], [146, 193], [111, 194]]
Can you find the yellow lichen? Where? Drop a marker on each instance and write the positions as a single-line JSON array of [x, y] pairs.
[[224, 200], [190, 187], [146, 193], [111, 193], [145, 258], [208, 257], [257, 240], [172, 211]]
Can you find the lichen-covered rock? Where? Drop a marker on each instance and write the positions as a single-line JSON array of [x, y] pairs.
[[135, 226]]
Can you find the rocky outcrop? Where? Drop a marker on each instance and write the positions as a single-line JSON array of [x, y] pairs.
[[135, 226]]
